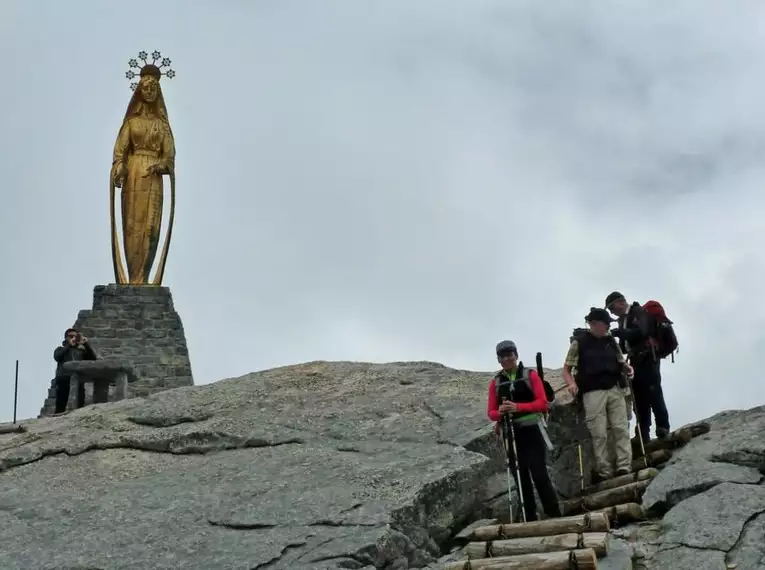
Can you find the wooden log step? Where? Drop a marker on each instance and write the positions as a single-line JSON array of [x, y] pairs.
[[598, 541], [674, 440], [642, 475], [630, 493], [588, 522], [12, 428], [700, 428], [623, 514], [654, 459], [584, 559], [677, 438]]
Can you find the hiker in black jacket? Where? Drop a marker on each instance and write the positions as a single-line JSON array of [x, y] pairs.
[[636, 329], [74, 347]]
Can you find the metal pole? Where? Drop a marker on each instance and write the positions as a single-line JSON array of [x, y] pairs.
[[16, 392]]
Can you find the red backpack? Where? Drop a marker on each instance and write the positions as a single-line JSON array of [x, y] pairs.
[[664, 343]]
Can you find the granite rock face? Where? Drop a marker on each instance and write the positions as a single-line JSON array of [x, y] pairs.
[[713, 497], [336, 465], [321, 466], [140, 327], [707, 505]]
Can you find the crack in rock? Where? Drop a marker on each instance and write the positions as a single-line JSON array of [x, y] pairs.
[[714, 517], [198, 443], [167, 421], [287, 548], [688, 477], [742, 457], [675, 545], [348, 449], [268, 526], [748, 521], [342, 560], [428, 408]]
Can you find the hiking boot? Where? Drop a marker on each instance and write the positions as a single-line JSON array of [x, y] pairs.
[[662, 433], [636, 441], [595, 478]]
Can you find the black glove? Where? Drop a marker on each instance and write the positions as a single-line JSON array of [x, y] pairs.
[[618, 333]]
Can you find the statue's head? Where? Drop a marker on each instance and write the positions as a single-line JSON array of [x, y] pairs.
[[148, 86], [147, 92]]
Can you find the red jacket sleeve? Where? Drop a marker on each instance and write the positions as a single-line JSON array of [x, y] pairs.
[[539, 405], [493, 404]]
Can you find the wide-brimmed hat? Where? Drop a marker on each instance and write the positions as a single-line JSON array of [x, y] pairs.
[[599, 315]]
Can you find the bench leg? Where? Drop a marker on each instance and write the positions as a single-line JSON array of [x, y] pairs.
[[121, 386], [74, 390], [89, 388]]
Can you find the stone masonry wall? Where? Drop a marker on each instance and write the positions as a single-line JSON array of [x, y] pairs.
[[138, 324]]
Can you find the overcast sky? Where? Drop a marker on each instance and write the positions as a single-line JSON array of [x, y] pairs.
[[400, 179]]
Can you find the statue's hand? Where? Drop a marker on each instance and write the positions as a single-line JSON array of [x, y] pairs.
[[119, 177], [154, 169]]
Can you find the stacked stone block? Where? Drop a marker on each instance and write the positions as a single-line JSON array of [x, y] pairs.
[[139, 326]]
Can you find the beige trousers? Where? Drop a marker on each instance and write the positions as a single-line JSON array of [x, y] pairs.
[[606, 415]]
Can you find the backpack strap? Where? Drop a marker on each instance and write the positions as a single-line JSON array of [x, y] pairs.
[[524, 376]]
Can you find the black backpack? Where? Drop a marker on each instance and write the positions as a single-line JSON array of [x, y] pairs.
[[524, 376]]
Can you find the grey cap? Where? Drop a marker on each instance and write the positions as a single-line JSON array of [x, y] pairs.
[[612, 298], [506, 346]]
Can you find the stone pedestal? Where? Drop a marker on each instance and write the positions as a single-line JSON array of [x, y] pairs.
[[139, 327]]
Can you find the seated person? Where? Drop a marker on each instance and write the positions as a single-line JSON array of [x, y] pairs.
[[74, 347]]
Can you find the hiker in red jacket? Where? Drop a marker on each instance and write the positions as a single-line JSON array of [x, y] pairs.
[[636, 331], [517, 393]]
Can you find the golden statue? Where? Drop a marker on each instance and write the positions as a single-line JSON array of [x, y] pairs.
[[143, 153]]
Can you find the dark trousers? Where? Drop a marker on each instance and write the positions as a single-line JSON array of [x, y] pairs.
[[532, 465], [63, 384], [649, 397]]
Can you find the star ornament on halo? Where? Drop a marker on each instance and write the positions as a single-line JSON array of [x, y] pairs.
[[156, 59]]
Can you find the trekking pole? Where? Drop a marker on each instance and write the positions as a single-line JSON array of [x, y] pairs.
[[16, 392], [579, 450], [511, 430], [637, 417], [509, 476]]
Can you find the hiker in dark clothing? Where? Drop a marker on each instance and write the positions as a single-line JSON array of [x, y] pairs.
[[518, 394], [636, 331], [74, 347]]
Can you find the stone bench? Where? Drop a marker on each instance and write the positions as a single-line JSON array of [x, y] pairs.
[[96, 377]]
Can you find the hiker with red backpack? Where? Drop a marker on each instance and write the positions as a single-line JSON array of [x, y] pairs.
[[646, 336]]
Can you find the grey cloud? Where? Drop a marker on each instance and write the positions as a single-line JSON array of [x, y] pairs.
[[402, 180]]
